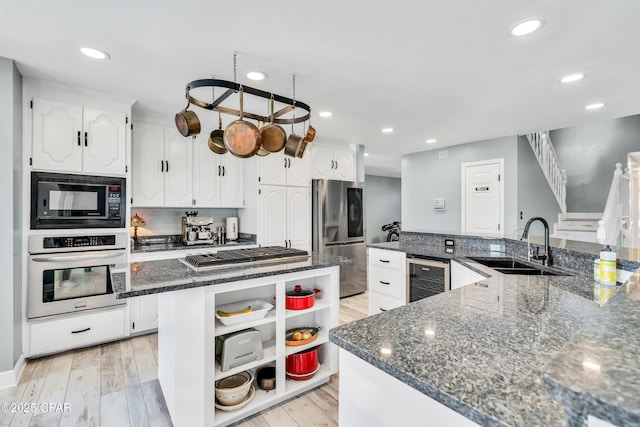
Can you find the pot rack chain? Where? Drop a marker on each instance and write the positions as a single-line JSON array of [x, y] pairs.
[[234, 87]]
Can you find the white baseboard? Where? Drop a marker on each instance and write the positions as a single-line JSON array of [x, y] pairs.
[[11, 378]]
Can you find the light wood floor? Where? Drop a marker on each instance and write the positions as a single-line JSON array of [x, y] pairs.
[[116, 384]]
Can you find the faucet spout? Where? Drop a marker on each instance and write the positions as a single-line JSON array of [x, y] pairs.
[[525, 234]]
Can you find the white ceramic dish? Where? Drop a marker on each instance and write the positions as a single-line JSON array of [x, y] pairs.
[[259, 310], [233, 389], [250, 396]]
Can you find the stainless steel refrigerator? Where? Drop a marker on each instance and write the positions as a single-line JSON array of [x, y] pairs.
[[339, 229]]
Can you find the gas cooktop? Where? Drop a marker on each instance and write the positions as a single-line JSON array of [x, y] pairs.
[[240, 256]]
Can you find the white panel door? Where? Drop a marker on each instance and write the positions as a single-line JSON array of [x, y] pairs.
[[322, 162], [207, 174], [299, 217], [232, 188], [299, 171], [57, 136], [344, 168], [105, 142], [145, 313], [273, 221], [273, 169], [483, 199], [147, 169], [178, 158]]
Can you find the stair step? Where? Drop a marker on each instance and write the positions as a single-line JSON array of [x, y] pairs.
[[580, 216], [576, 225], [582, 236]]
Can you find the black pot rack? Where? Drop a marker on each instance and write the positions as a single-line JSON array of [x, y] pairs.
[[233, 87]]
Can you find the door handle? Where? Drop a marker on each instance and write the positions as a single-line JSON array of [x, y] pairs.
[[382, 309], [161, 165], [79, 143], [219, 171], [167, 162], [78, 257], [384, 260], [332, 162], [223, 172], [384, 283], [86, 139], [81, 331], [336, 164], [426, 269]]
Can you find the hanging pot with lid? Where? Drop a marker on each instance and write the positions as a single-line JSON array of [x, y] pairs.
[[216, 139], [242, 138], [300, 298]]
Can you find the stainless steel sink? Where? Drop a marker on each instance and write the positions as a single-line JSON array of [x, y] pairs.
[[512, 266]]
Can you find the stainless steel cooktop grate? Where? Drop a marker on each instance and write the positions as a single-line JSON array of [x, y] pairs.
[[237, 256]]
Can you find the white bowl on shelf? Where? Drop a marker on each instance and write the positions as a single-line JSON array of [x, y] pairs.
[[247, 399], [233, 389], [259, 309]]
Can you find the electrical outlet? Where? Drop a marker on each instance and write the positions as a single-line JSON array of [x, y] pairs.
[[495, 248]]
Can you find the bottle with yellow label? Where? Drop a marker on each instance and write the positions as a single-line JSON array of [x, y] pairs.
[[608, 266]]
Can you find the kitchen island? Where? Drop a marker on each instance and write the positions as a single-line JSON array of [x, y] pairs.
[[507, 350], [187, 328]]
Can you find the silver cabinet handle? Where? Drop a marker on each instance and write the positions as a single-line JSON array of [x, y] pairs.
[[55, 258], [426, 269]]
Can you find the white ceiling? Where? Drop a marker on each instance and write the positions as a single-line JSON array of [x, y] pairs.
[[429, 69]]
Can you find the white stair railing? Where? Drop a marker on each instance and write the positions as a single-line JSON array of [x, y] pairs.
[[615, 219], [548, 161]]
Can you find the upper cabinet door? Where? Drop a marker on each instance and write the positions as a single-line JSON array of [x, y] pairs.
[[148, 165], [299, 171], [232, 188], [273, 169], [273, 221], [178, 158], [299, 217], [322, 162], [57, 136], [344, 165], [104, 139], [207, 174]]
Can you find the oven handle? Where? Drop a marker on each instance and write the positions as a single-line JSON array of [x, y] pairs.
[[84, 257]]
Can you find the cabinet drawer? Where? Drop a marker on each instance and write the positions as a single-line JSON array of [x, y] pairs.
[[387, 259], [380, 302], [78, 331], [387, 281]]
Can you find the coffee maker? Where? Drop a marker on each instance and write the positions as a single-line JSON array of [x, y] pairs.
[[196, 230]]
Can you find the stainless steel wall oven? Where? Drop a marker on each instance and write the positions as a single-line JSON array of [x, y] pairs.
[[72, 273], [77, 201]]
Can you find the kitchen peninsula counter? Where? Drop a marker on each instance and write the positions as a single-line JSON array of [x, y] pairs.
[[519, 365]]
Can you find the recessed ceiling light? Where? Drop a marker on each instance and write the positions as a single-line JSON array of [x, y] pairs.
[[256, 75], [94, 53], [325, 114], [570, 78], [594, 106], [525, 27], [387, 130], [430, 141], [366, 154]]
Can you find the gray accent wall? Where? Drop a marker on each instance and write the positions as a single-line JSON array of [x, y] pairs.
[[589, 154], [426, 176], [10, 219], [535, 197], [382, 205]]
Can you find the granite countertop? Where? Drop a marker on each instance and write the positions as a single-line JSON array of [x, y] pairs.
[[173, 243], [515, 357], [150, 277]]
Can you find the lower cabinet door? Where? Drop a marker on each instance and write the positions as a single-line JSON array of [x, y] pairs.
[[144, 313], [50, 336], [386, 281], [379, 303]]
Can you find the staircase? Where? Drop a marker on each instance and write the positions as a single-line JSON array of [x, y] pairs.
[[610, 227]]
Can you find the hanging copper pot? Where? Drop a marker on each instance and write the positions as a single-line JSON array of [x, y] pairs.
[[187, 122], [293, 145], [216, 139], [242, 138], [262, 152], [274, 137]]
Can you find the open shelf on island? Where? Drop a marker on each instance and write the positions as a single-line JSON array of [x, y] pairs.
[[223, 330], [268, 355], [319, 305]]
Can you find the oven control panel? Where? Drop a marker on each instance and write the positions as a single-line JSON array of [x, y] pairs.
[[78, 241]]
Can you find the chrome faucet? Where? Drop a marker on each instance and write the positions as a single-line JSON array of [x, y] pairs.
[[546, 257]]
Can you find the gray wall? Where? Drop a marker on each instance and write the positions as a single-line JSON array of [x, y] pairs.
[[382, 205], [10, 219], [589, 154], [426, 177], [535, 197]]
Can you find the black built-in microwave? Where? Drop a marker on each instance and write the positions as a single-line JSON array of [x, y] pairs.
[[77, 201]]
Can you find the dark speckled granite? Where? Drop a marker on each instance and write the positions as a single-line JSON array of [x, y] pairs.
[[519, 361], [152, 277]]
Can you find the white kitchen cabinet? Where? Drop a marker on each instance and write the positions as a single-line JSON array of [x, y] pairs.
[[330, 163], [386, 279], [285, 218], [73, 138], [232, 184], [463, 276], [278, 169], [161, 167], [144, 313]]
